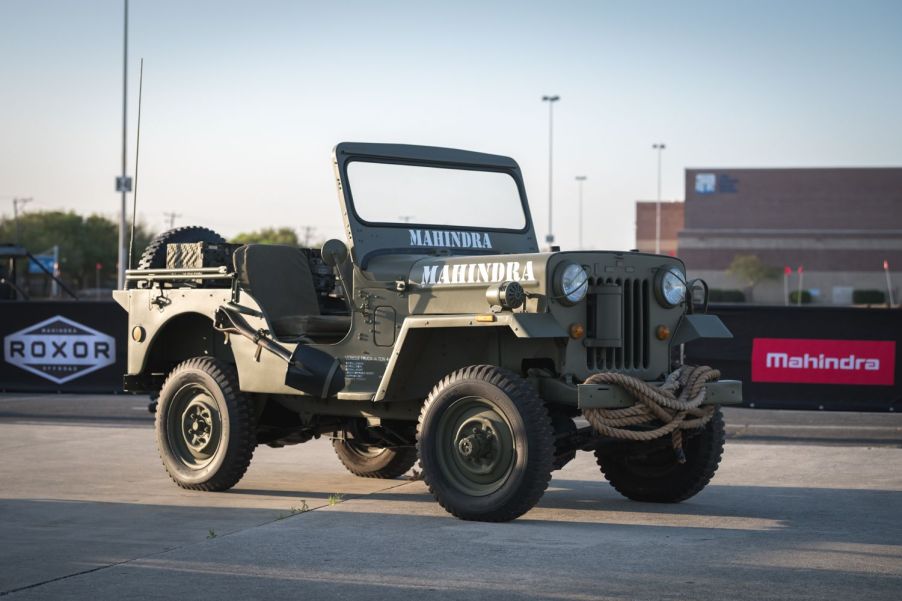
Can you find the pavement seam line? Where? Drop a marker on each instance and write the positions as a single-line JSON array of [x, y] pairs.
[[343, 498], [175, 548], [58, 578]]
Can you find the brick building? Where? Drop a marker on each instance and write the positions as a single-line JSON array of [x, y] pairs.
[[671, 224], [840, 224]]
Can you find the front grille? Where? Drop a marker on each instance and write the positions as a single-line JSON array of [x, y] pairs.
[[629, 350]]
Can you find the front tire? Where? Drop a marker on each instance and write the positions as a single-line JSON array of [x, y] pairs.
[[374, 462], [650, 472], [204, 426], [486, 444]]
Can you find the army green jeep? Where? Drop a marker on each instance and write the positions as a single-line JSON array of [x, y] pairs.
[[438, 332]]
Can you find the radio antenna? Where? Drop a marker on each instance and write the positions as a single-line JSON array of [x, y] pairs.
[[131, 243]]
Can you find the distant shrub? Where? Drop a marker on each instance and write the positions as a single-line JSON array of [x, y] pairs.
[[717, 295], [868, 297], [794, 297]]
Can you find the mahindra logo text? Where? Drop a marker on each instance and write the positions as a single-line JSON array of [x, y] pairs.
[[478, 273], [450, 239], [806, 361], [821, 361]]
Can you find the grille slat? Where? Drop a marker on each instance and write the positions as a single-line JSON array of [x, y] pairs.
[[633, 354], [637, 310], [627, 318], [644, 340]]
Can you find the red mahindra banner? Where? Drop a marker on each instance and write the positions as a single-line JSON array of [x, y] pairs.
[[810, 361]]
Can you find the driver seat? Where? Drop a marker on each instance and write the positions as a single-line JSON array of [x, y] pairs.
[[279, 279]]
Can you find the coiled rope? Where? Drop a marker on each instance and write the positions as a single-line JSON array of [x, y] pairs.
[[667, 409]]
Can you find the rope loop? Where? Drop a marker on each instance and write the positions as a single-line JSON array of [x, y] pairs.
[[659, 410]]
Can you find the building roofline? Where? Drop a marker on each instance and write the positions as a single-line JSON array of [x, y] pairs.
[[860, 168]]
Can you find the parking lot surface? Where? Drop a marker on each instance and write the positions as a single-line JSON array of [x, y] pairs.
[[794, 512]]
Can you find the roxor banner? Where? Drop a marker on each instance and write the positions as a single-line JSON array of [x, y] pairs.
[[65, 346], [839, 358]]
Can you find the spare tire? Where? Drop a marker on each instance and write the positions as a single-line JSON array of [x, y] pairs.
[[154, 256]]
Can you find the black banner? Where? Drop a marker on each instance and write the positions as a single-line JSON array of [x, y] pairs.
[[62, 346], [829, 358]]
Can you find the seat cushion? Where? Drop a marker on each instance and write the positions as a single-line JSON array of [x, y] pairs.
[[314, 326]]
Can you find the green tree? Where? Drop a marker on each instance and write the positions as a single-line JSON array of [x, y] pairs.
[[84, 243], [268, 235], [751, 271]]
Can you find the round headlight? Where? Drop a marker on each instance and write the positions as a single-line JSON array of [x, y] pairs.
[[571, 283], [671, 288]]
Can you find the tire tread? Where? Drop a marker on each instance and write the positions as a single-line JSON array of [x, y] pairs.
[[154, 256], [242, 439], [535, 418], [697, 477], [403, 458]]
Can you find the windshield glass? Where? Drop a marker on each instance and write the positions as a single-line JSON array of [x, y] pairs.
[[436, 196]]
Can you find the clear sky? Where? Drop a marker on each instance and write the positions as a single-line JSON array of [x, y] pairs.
[[243, 101]]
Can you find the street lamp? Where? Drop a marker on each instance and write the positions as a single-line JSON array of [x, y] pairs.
[[550, 100], [660, 148], [579, 180]]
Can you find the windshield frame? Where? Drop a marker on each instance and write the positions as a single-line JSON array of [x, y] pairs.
[[368, 239], [518, 182]]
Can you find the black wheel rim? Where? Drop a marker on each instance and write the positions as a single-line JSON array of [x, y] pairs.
[[363, 451], [194, 426], [475, 446]]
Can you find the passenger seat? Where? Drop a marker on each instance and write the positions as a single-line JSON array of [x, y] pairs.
[[279, 279]]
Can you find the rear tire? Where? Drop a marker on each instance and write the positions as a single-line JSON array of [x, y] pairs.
[[650, 472], [374, 462], [204, 426], [486, 444]]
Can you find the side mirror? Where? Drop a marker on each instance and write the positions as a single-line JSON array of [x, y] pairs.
[[697, 295], [334, 252]]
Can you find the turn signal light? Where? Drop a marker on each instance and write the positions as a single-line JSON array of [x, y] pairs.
[[577, 330], [138, 334], [662, 332]]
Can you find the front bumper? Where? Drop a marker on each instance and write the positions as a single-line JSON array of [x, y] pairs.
[[611, 396]]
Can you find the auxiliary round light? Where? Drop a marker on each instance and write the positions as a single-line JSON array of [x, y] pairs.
[[507, 295], [138, 334]]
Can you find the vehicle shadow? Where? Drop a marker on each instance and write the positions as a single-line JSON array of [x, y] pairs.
[[870, 516]]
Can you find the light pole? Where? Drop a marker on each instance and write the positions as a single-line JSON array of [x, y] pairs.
[[172, 216], [550, 100], [123, 184], [18, 202], [660, 148], [579, 180]]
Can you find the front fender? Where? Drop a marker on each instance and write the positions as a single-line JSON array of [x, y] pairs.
[[695, 326], [523, 325]]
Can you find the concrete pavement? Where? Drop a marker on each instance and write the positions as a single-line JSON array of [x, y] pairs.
[[88, 512]]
